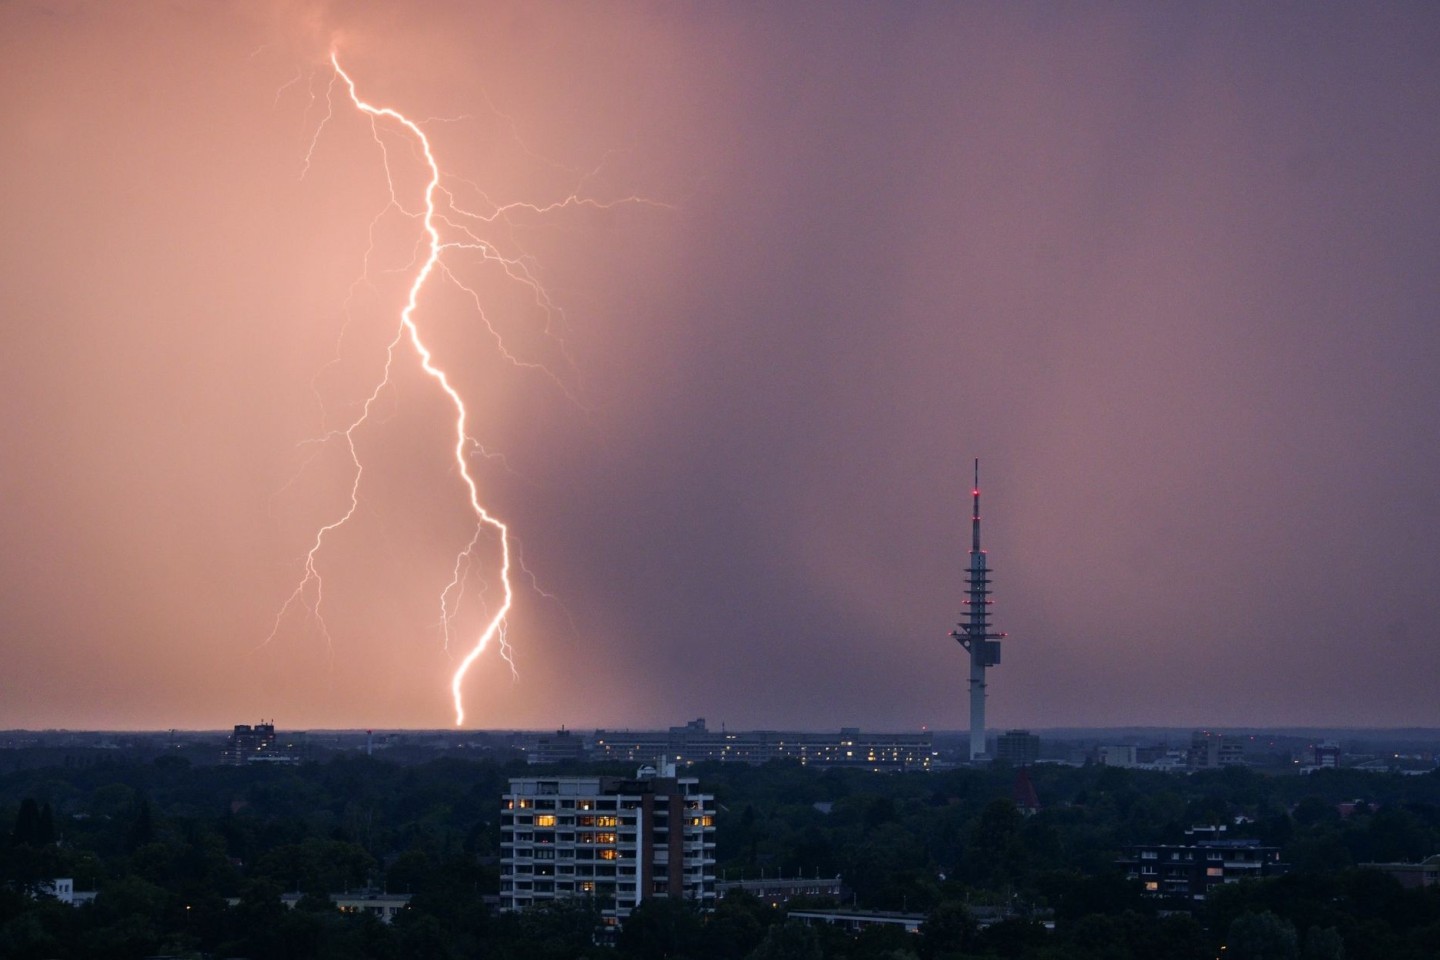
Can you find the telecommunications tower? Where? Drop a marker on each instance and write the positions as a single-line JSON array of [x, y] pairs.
[[974, 632]]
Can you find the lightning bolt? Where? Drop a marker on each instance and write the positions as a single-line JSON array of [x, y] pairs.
[[433, 217]]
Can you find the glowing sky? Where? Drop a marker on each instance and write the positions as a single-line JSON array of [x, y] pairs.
[[1172, 271]]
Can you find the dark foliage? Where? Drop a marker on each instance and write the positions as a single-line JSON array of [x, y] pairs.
[[192, 860]]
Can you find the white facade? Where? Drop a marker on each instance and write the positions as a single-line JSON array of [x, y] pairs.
[[61, 888], [617, 840], [1118, 755]]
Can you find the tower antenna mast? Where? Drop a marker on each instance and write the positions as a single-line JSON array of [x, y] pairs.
[[974, 633]]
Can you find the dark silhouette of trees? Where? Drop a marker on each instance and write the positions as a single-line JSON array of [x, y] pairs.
[[193, 859]]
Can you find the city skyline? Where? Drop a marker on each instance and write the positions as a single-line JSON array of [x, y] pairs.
[[1168, 272]]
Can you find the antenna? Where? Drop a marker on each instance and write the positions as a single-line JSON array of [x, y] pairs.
[[974, 633]]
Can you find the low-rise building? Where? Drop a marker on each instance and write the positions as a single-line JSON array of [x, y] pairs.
[[1186, 872], [1426, 873], [854, 921], [778, 891], [383, 906]]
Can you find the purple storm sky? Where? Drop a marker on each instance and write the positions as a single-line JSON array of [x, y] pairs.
[[1172, 271]]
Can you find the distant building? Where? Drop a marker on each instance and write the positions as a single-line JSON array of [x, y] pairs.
[[854, 921], [383, 906], [1019, 748], [1117, 756], [248, 741], [618, 840], [1185, 872], [256, 744], [560, 747], [1327, 754], [694, 743], [1152, 753], [61, 888], [778, 891], [1173, 761], [1209, 751], [1412, 876]]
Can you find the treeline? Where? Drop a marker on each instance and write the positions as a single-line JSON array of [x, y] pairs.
[[192, 861]]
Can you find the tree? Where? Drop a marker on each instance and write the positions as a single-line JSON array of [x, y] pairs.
[[45, 826], [736, 926], [1261, 936], [27, 824], [142, 828], [995, 853], [662, 929], [949, 929], [788, 941], [1013, 937], [559, 929], [1323, 943]]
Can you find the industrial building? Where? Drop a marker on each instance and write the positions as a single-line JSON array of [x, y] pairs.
[[620, 841]]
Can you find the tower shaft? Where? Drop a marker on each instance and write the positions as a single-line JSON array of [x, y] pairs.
[[974, 633]]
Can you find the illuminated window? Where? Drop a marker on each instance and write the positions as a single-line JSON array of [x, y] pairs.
[[606, 821], [609, 854], [1151, 886], [702, 821], [587, 886], [545, 820], [604, 838], [1214, 871]]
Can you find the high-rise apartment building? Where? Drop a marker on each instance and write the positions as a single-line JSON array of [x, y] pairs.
[[257, 744], [618, 840]]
